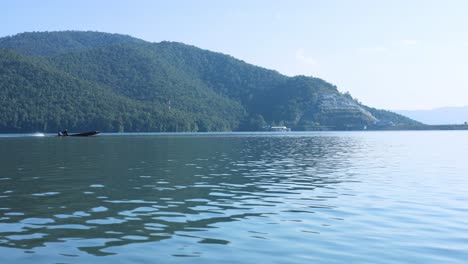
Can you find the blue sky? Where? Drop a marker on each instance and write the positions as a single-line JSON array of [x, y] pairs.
[[389, 54]]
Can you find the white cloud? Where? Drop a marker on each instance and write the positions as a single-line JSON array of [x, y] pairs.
[[376, 49], [390, 46], [408, 42], [379, 49], [308, 60]]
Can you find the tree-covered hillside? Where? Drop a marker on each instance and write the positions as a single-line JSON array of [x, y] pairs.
[[37, 97], [90, 80], [58, 42]]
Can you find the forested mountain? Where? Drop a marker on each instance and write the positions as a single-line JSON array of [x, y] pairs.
[[57, 42], [110, 82]]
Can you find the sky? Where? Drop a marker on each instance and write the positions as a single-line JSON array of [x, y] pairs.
[[394, 54]]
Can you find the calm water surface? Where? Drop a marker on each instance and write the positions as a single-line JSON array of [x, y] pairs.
[[370, 197]]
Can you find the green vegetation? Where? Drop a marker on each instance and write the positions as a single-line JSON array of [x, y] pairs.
[[99, 81], [50, 43]]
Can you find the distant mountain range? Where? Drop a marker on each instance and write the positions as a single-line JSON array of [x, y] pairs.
[[439, 116], [110, 82]]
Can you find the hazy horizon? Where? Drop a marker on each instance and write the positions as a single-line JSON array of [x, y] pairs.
[[430, 109], [394, 55]]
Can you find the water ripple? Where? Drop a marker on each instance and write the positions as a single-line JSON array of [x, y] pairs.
[[295, 198]]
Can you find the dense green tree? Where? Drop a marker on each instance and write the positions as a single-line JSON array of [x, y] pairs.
[[99, 81]]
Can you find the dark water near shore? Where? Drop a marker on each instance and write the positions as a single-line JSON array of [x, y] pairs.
[[375, 197]]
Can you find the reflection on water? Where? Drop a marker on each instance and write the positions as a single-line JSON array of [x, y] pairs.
[[277, 197]]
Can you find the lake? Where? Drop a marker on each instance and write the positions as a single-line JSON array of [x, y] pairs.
[[327, 197]]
